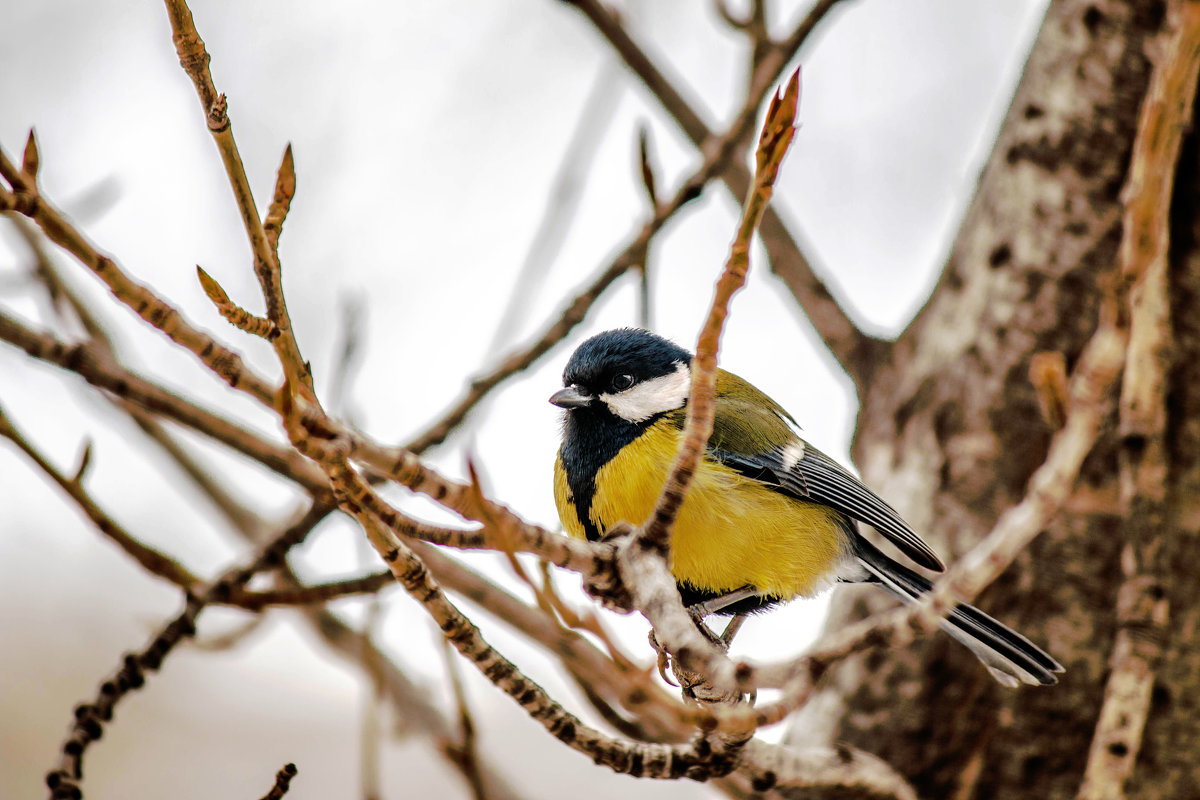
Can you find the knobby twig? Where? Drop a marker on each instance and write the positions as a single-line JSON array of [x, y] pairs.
[[1142, 605], [777, 133], [237, 316], [194, 60], [637, 759]]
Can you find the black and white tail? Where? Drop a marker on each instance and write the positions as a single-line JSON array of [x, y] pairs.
[[1010, 657]]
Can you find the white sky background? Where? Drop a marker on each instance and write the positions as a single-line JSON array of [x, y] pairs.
[[426, 137]]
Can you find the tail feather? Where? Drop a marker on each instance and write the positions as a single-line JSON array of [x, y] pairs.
[[1010, 657]]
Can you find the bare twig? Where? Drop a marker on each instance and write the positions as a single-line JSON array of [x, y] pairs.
[[778, 130], [643, 562], [310, 594], [285, 190], [194, 60], [62, 294], [719, 153], [642, 760]]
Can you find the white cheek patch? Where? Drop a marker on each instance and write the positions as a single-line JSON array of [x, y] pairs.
[[644, 400]]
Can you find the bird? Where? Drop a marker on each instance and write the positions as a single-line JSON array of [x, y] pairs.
[[767, 517]]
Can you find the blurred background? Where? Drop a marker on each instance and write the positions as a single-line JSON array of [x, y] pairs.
[[429, 141]]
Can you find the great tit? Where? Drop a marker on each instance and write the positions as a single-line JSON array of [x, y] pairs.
[[767, 517]]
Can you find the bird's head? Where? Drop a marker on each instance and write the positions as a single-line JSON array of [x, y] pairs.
[[629, 372]]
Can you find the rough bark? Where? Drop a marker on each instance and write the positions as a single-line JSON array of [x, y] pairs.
[[950, 429]]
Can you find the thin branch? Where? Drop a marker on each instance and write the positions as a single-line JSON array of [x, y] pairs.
[[237, 316], [97, 368], [659, 714], [721, 153], [309, 594], [194, 60], [631, 257], [463, 751], [1143, 610], [151, 560], [62, 294], [778, 130], [285, 190]]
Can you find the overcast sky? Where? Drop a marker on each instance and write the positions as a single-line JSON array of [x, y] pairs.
[[426, 138]]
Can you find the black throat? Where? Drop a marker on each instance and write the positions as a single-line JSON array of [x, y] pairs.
[[592, 436]]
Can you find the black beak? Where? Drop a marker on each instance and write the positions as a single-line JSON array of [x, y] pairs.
[[571, 397]]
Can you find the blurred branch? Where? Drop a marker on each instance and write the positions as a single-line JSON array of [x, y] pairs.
[[1143, 606], [754, 26], [854, 349], [283, 781], [371, 745], [151, 560], [88, 724], [348, 356], [309, 594], [463, 751], [562, 201]]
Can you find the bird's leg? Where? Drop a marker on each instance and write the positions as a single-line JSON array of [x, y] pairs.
[[701, 610], [735, 624]]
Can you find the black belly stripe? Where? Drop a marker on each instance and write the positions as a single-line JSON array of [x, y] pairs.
[[591, 438]]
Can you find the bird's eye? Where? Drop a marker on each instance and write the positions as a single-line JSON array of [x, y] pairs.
[[622, 382]]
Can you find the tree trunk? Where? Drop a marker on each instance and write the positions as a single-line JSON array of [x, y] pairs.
[[950, 429]]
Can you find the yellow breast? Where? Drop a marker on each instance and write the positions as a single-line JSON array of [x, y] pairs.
[[730, 532]]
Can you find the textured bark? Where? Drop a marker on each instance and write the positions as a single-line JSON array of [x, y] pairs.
[[950, 430]]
